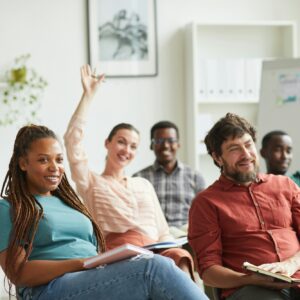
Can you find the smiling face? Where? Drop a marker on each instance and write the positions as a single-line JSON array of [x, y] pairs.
[[165, 145], [43, 166], [239, 160], [278, 154], [122, 148]]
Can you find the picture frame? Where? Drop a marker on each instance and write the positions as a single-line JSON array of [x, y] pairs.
[[123, 37]]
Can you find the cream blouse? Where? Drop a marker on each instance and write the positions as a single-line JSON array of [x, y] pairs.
[[116, 208]]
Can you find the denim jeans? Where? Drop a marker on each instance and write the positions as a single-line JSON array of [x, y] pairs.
[[140, 278]]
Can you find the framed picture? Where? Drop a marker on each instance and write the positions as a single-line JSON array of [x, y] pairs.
[[122, 37]]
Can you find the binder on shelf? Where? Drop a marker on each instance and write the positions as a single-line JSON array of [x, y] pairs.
[[252, 78], [202, 71], [204, 123], [238, 81], [212, 78], [223, 79]]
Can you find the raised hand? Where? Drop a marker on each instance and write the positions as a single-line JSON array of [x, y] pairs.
[[90, 81]]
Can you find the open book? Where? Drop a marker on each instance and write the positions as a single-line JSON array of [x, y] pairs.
[[116, 254], [178, 232], [278, 276], [168, 244]]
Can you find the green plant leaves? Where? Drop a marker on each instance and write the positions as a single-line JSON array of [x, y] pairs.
[[21, 93]]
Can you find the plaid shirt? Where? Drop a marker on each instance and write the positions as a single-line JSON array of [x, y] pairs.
[[175, 191]]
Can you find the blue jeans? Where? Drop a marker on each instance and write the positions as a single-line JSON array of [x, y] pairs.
[[140, 278]]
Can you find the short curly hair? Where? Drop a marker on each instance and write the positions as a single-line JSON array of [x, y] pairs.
[[230, 126]]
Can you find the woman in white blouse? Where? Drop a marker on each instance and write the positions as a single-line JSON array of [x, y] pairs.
[[125, 207]]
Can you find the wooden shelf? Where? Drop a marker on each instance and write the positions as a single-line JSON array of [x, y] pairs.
[[236, 47]]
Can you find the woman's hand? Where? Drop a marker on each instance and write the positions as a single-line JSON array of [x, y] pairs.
[[90, 81], [38, 272]]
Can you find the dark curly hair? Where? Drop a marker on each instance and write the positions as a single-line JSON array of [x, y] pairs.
[[230, 126]]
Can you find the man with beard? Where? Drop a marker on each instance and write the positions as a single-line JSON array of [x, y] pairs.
[[277, 150], [245, 216], [175, 183]]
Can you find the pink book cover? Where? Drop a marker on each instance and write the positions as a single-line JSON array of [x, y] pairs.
[[116, 254]]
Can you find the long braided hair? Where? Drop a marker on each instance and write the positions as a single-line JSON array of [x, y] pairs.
[[26, 211]]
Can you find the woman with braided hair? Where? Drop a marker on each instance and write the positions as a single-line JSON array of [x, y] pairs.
[[46, 234]]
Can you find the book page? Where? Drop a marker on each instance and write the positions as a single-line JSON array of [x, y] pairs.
[[116, 254], [250, 267]]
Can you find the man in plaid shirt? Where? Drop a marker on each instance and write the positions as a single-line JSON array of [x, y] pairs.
[[175, 183]]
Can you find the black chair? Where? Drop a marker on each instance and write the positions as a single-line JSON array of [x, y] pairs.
[[216, 292], [212, 292]]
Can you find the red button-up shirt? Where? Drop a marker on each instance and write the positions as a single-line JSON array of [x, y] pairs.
[[230, 223]]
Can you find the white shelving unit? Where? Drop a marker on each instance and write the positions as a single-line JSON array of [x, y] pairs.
[[223, 67]]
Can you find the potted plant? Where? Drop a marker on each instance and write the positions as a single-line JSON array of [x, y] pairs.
[[20, 94]]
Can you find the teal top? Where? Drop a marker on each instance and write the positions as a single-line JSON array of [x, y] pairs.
[[296, 177], [63, 232]]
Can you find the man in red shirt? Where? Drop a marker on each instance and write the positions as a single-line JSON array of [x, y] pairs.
[[245, 216]]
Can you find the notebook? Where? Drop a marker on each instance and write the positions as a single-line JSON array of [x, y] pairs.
[[116, 254], [277, 276], [168, 244]]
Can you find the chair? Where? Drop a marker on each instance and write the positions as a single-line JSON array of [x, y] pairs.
[[216, 293], [212, 292]]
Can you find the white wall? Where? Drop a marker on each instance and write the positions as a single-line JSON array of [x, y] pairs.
[[55, 33]]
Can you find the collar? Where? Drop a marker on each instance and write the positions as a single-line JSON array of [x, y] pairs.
[[227, 183]]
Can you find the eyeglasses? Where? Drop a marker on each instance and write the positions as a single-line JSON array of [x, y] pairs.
[[161, 141]]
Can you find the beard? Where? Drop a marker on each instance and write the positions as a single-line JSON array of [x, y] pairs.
[[240, 177]]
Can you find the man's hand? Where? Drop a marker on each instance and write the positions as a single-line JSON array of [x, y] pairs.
[[287, 267], [267, 282], [222, 277]]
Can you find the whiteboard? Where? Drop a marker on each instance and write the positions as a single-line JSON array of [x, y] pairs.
[[279, 105]]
